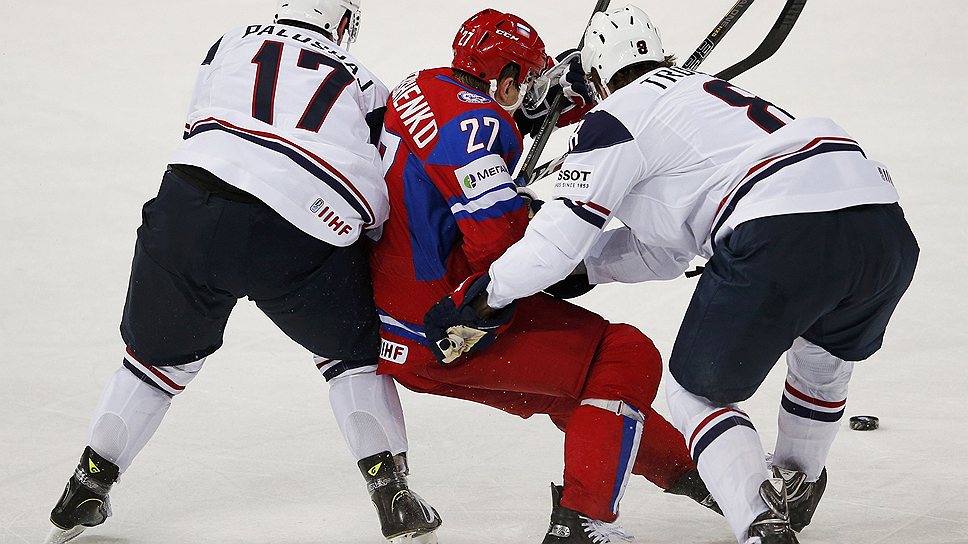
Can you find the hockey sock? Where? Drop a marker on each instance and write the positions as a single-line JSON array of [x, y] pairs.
[[663, 457], [126, 417], [368, 412], [814, 398], [600, 449], [727, 451]]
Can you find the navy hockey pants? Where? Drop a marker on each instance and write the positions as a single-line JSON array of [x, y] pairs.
[[833, 278], [198, 252]]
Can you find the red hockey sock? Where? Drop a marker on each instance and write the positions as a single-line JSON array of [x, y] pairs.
[[663, 457], [600, 448]]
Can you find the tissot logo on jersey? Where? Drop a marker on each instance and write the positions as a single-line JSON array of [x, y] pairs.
[[573, 181], [414, 111], [483, 174]]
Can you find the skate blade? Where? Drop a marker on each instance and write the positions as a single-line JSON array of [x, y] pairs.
[[426, 538], [60, 536]]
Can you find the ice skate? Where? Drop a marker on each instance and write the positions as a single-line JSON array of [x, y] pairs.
[[802, 496], [405, 517], [773, 526], [570, 527], [84, 502], [691, 485]]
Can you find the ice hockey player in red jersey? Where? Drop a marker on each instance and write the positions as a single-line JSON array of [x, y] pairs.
[[268, 197], [809, 254], [450, 143]]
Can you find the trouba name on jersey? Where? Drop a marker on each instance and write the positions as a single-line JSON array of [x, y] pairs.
[[283, 32], [415, 114]]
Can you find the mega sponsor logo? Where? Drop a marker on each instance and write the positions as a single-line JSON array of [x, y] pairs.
[[483, 174]]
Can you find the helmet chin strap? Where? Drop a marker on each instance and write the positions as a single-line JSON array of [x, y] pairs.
[[513, 107]]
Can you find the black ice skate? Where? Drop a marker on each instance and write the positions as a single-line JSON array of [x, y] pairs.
[[85, 500], [773, 526], [691, 485], [404, 516], [570, 527], [802, 496]]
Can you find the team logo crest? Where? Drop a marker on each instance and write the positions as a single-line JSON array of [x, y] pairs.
[[472, 98]]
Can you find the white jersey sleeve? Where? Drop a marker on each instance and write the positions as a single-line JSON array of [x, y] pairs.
[[594, 180], [290, 117], [681, 158], [619, 256]]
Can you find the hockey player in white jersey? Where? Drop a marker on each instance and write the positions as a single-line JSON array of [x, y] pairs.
[[809, 254], [269, 197]]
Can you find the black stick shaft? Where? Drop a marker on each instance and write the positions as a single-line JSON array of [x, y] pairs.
[[544, 132]]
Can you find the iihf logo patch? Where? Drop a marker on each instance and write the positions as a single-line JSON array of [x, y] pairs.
[[318, 205]]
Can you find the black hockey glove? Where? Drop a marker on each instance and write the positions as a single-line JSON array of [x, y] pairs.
[[573, 82], [454, 327], [572, 286]]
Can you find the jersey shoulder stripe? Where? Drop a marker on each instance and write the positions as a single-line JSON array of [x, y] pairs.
[[301, 156], [768, 167]]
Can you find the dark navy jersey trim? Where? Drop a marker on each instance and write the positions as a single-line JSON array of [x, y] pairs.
[[806, 413], [600, 130], [827, 147], [297, 158], [717, 431], [211, 53], [343, 366], [589, 217], [374, 120], [143, 377]]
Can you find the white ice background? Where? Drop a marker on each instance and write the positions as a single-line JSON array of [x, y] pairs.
[[92, 102]]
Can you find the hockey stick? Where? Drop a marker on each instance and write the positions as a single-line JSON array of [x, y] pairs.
[[717, 35], [526, 174], [770, 45]]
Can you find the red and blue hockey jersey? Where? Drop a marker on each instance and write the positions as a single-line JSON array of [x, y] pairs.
[[448, 151]]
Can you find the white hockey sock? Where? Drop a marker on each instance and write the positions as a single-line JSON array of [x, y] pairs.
[[126, 417], [727, 451], [812, 407], [368, 412]]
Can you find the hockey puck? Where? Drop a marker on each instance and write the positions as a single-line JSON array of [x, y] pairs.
[[864, 423]]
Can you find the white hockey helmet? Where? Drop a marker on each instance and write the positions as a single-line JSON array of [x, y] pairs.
[[619, 38], [323, 14]]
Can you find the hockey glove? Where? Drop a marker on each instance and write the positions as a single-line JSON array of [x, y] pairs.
[[453, 327], [534, 203], [573, 82], [572, 286]]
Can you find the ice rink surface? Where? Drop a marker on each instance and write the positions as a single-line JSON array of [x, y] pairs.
[[92, 102]]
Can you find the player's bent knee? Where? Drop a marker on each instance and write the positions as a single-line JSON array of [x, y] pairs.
[[171, 380], [632, 362]]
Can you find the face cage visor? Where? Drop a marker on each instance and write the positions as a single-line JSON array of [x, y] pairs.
[[538, 89]]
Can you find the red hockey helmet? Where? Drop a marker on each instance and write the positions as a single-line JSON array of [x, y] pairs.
[[490, 40]]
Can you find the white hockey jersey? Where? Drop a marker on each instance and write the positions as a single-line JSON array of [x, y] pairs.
[[288, 116], [680, 158]]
